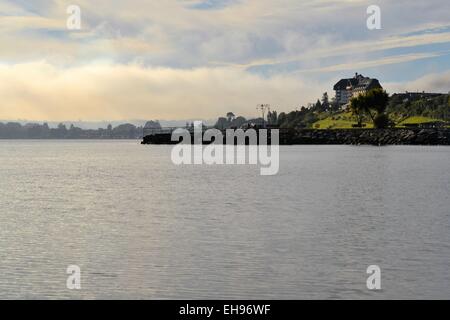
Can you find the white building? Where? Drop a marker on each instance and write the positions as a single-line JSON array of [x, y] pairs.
[[348, 88]]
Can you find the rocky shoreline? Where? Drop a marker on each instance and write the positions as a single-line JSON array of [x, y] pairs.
[[376, 137]]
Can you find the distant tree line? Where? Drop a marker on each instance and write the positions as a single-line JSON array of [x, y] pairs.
[[231, 121], [304, 117], [15, 130], [375, 106]]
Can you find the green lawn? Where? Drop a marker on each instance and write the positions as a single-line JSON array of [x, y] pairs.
[[343, 120], [416, 120]]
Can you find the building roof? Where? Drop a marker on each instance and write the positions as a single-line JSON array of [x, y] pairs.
[[357, 82]]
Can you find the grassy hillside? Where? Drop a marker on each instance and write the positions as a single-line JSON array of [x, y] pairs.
[[402, 109], [417, 120], [343, 120]]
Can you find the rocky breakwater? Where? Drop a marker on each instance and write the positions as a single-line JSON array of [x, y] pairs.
[[373, 136]]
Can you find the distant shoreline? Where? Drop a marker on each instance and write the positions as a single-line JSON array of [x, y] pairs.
[[375, 137]]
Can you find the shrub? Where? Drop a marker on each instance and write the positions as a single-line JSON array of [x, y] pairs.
[[381, 121]]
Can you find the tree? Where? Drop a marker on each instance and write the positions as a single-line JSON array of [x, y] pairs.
[[381, 121], [221, 124], [61, 131], [230, 116], [282, 119], [357, 109], [325, 101], [374, 104], [318, 106], [334, 105], [378, 100], [272, 117]]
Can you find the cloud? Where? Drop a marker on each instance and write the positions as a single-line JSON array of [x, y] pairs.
[[199, 58], [40, 91], [209, 4], [435, 82], [363, 48], [235, 32], [360, 65]]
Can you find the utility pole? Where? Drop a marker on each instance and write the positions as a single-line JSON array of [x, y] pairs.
[[263, 108]]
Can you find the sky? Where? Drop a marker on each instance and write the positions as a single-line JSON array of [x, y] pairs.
[[199, 59]]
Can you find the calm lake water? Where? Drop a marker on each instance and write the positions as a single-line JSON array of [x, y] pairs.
[[140, 227]]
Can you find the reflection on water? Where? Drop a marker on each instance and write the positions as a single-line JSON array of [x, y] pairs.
[[140, 227]]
